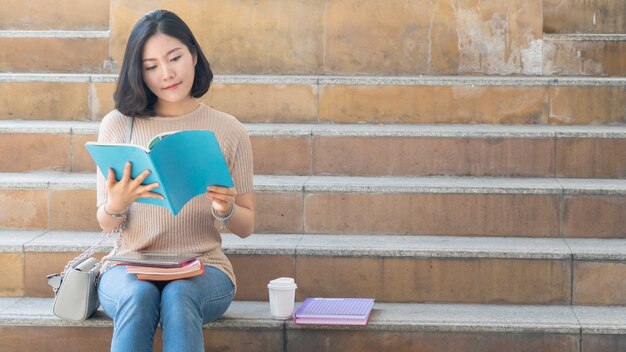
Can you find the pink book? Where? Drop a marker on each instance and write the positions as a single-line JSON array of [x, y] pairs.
[[188, 267], [334, 311]]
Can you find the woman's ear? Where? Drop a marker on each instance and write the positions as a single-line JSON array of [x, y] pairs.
[[195, 59]]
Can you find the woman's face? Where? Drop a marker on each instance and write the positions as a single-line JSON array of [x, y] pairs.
[[168, 68]]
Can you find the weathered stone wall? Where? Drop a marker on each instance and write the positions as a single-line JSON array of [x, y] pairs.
[[584, 16], [369, 37]]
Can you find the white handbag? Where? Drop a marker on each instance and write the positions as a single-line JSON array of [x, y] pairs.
[[77, 297]]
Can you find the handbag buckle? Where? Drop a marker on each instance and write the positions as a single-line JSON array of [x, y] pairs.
[[54, 280]]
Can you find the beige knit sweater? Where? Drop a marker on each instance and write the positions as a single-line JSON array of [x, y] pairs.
[[154, 228]]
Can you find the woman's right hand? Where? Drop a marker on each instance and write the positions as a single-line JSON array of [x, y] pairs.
[[120, 194]]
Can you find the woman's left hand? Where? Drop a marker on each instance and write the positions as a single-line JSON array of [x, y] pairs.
[[223, 198]]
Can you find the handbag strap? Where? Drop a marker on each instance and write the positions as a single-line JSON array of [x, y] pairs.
[[105, 236], [129, 129], [91, 250]]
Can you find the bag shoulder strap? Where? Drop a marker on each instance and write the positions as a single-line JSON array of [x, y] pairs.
[[91, 250], [129, 129]]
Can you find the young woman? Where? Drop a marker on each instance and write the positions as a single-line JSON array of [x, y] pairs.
[[163, 71]]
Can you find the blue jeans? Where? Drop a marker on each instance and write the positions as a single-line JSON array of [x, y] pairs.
[[180, 306]]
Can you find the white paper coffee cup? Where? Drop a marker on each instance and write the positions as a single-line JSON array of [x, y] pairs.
[[282, 297]]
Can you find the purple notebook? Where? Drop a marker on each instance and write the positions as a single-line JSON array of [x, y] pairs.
[[344, 311]]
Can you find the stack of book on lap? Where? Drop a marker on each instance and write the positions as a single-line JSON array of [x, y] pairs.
[[160, 266], [155, 273], [334, 311]]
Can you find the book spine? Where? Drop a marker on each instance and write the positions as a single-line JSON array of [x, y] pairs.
[[163, 190], [304, 321]]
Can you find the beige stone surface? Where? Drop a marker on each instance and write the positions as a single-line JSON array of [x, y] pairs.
[[591, 157], [73, 210], [433, 214], [81, 160], [44, 100], [444, 52], [433, 37], [418, 341], [277, 212], [12, 274], [282, 155], [262, 37], [269, 340], [74, 339], [23, 152], [377, 37], [599, 283], [603, 343], [38, 265], [23, 209], [54, 339], [594, 216], [496, 37], [71, 55], [584, 16], [425, 156], [306, 103], [433, 104], [338, 277], [253, 272], [292, 103], [54, 14], [587, 105], [514, 281], [101, 99], [589, 58]]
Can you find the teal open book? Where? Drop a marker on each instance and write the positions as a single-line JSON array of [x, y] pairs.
[[184, 163]]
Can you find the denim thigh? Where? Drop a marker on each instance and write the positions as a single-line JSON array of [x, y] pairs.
[[213, 290]]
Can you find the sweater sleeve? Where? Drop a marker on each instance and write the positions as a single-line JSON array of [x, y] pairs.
[[112, 130], [242, 162]]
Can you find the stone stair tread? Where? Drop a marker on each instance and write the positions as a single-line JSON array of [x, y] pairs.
[[355, 130], [350, 245], [345, 80], [438, 130], [586, 36], [463, 184], [29, 311], [70, 34], [49, 126], [362, 184]]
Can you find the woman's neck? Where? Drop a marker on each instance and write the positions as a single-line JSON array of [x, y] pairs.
[[166, 109]]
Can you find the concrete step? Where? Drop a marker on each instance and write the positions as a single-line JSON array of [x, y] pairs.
[[388, 268], [337, 99], [53, 51], [55, 14], [366, 150], [584, 54], [462, 206], [575, 16], [247, 326]]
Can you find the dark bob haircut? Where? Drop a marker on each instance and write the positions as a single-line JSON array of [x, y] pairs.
[[132, 96]]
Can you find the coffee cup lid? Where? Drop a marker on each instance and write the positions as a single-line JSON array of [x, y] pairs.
[[282, 283]]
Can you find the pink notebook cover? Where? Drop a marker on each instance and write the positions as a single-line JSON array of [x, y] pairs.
[[334, 311], [155, 270]]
